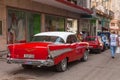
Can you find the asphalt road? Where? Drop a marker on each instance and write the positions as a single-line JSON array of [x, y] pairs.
[[98, 67]]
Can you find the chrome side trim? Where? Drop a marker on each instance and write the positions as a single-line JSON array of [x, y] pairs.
[[56, 53]]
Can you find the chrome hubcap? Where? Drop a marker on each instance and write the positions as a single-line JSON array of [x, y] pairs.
[[86, 55], [64, 64]]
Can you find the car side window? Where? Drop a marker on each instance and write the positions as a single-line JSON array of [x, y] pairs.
[[59, 40], [71, 39], [74, 38], [68, 39]]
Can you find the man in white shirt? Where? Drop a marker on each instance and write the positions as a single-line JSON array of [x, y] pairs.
[[113, 43]]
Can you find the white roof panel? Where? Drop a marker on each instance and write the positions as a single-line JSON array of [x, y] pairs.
[[63, 35]]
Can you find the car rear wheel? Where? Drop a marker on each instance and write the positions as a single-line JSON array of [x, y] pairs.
[[62, 66], [27, 66], [85, 56]]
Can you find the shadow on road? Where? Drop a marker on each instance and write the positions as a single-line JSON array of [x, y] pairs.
[[42, 71]]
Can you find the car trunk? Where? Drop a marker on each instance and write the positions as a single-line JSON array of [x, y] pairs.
[[93, 44], [29, 51]]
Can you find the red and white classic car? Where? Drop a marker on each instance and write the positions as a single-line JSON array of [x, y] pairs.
[[48, 49]]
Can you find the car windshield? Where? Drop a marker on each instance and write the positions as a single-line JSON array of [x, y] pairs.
[[90, 39], [55, 39]]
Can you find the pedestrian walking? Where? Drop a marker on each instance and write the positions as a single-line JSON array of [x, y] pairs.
[[113, 43]]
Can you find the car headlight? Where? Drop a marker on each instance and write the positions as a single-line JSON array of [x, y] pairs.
[[101, 44]]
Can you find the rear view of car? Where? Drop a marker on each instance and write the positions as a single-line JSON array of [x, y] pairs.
[[48, 49], [95, 43]]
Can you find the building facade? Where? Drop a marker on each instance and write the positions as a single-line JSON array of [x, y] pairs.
[[103, 15], [21, 19], [115, 22]]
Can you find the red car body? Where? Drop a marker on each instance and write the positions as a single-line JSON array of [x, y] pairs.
[[48, 53], [95, 43]]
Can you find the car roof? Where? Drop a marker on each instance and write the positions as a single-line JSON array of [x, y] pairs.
[[63, 35]]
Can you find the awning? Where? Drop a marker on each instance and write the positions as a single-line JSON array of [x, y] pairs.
[[63, 4]]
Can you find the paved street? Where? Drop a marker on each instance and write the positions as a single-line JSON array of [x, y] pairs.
[[98, 67]]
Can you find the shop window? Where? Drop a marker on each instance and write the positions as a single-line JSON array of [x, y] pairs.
[[16, 26], [22, 25], [0, 27], [34, 24], [54, 23], [72, 25]]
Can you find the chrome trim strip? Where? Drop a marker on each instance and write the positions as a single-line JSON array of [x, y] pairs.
[[48, 62], [56, 53]]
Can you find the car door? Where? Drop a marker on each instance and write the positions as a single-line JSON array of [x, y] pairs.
[[72, 40], [79, 47]]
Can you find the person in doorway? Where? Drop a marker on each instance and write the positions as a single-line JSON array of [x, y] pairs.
[[113, 43], [11, 36], [80, 37]]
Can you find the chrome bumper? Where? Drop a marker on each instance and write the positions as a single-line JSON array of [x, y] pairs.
[[48, 62]]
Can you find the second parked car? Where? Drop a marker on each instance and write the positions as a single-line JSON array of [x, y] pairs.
[[95, 43]]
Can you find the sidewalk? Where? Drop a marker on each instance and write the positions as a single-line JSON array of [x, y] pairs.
[[3, 54]]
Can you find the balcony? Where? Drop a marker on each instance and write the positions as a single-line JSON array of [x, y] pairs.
[[111, 13], [82, 3], [100, 8], [106, 11]]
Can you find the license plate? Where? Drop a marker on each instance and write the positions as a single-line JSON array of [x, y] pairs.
[[28, 62], [28, 56]]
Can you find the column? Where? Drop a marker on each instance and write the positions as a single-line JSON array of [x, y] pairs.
[[65, 28], [3, 16], [42, 22], [96, 26]]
